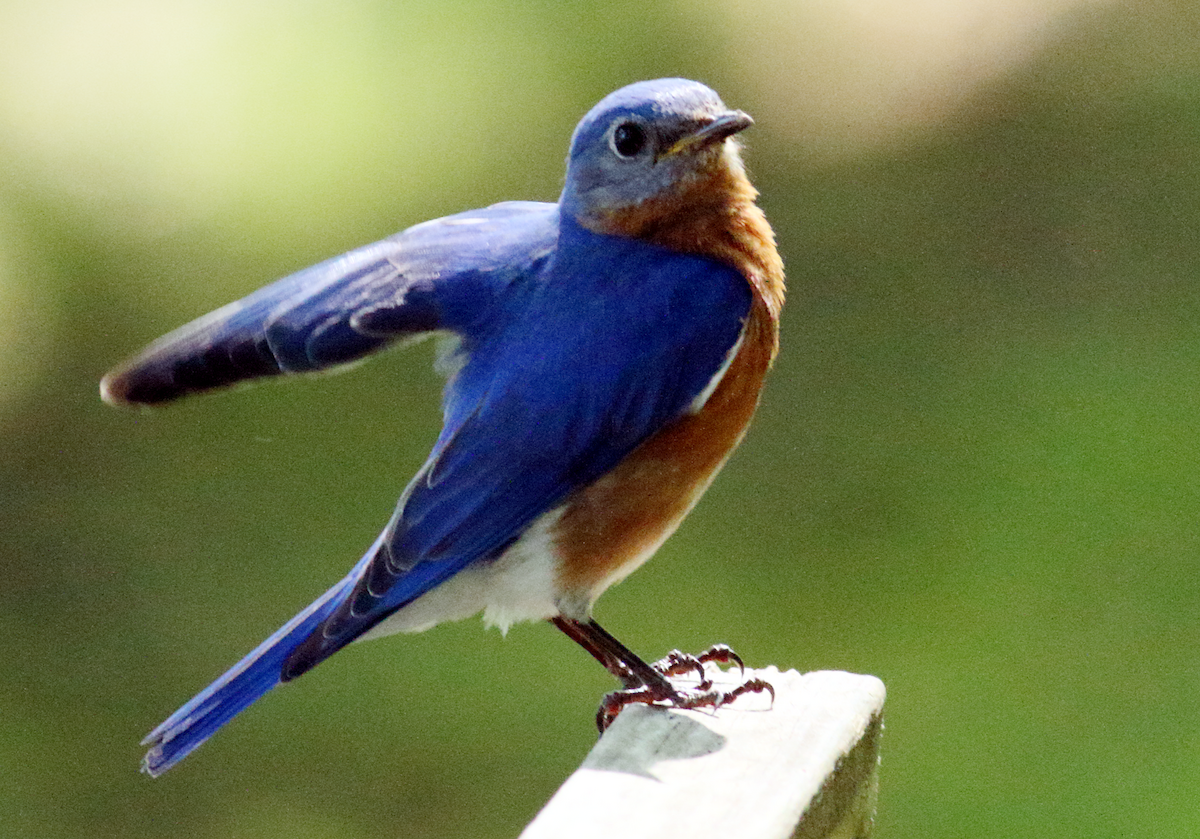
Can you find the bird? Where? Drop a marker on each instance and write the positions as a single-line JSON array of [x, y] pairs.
[[605, 355]]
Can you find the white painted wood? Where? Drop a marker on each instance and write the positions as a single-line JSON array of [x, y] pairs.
[[804, 767]]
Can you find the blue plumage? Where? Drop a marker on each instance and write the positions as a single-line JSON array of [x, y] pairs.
[[522, 427], [575, 347]]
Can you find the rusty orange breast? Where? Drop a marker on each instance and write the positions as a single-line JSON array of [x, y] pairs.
[[613, 525]]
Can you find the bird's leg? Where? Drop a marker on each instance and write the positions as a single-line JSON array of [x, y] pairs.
[[643, 684], [616, 657], [646, 684]]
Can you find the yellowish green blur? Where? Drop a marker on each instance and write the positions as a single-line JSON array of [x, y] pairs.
[[975, 474]]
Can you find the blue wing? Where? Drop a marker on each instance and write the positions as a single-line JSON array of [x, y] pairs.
[[578, 365], [432, 276], [574, 350], [440, 275]]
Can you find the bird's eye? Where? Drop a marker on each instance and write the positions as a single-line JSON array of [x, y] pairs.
[[628, 139]]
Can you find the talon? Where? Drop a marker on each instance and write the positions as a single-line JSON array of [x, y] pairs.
[[702, 697], [654, 690], [749, 686], [722, 654], [676, 663], [616, 702]]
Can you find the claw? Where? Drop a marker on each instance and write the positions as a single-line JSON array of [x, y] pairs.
[[749, 686], [616, 702], [676, 663], [722, 654]]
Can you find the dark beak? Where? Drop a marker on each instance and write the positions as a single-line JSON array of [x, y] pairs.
[[725, 125]]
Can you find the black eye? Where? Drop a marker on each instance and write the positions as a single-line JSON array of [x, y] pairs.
[[628, 139]]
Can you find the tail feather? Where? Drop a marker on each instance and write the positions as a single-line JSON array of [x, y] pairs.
[[243, 683]]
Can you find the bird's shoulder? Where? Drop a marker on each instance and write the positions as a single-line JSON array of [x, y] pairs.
[[611, 342], [510, 233]]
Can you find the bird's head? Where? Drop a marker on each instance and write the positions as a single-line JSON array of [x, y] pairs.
[[648, 151]]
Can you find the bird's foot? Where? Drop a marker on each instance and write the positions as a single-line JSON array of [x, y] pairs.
[[676, 663], [670, 695]]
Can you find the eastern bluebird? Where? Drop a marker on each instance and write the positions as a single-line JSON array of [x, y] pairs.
[[610, 349]]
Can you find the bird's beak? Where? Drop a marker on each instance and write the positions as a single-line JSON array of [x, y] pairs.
[[725, 125]]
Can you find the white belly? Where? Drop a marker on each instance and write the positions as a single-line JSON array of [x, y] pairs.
[[520, 585]]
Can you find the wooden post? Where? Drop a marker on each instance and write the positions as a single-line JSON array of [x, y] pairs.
[[804, 767]]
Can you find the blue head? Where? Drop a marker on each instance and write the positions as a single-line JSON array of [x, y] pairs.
[[643, 148]]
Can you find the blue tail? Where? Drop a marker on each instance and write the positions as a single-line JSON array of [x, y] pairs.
[[245, 682]]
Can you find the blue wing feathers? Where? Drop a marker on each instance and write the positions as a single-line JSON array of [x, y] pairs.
[[343, 308], [376, 595], [535, 300], [335, 619], [524, 428], [237, 342]]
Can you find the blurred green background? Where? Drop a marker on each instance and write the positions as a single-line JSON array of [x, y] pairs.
[[975, 474]]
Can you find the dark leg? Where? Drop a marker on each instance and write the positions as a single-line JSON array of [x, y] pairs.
[[615, 656], [648, 684]]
